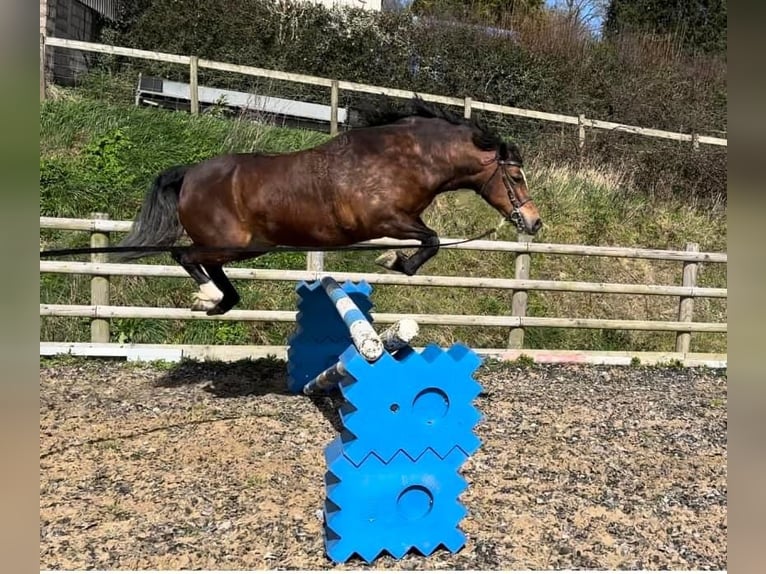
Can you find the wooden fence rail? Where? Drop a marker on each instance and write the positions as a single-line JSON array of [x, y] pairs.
[[169, 313], [334, 85], [75, 224], [100, 311], [238, 273]]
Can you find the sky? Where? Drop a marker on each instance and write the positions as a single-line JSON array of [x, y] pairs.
[[595, 18]]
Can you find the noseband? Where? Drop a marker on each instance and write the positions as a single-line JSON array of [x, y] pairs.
[[515, 216]]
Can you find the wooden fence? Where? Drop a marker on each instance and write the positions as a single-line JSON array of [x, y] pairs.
[[100, 311], [334, 86]]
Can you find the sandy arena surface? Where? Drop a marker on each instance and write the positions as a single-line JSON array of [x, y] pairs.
[[213, 466]]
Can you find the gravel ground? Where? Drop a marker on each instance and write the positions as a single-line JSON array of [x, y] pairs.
[[214, 466]]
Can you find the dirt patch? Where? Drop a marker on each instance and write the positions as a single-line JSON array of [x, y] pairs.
[[214, 466]]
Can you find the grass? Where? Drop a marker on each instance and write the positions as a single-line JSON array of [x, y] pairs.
[[97, 156]]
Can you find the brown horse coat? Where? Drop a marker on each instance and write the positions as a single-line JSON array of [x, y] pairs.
[[364, 184]]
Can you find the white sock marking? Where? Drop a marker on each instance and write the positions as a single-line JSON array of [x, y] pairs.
[[211, 292]]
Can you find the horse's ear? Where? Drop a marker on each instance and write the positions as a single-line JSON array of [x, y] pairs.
[[503, 151]]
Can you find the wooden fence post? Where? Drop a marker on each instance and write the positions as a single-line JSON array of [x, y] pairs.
[[519, 298], [695, 141], [580, 134], [43, 86], [467, 108], [99, 285], [315, 261], [334, 108], [194, 84], [686, 304]]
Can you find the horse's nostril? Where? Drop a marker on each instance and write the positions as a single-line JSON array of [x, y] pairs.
[[537, 225]]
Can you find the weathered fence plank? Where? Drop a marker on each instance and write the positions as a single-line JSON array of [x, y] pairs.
[[392, 92], [99, 285], [194, 84], [686, 304], [519, 298], [311, 274], [106, 312], [74, 224]]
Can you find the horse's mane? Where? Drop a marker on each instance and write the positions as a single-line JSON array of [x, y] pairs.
[[483, 137]]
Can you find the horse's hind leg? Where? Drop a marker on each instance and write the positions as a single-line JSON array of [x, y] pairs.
[[209, 294], [230, 295]]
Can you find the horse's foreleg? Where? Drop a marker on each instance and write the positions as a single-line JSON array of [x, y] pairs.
[[409, 265]]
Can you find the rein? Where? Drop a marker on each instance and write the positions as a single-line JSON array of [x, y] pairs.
[[154, 249]]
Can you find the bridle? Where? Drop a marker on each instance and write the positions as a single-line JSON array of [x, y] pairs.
[[515, 216]]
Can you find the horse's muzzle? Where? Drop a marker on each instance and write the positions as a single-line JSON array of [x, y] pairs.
[[523, 226]]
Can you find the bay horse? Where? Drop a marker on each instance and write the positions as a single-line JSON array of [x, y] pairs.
[[370, 182]]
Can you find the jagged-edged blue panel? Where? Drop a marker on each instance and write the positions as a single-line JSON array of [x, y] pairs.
[[411, 402], [392, 507], [320, 336]]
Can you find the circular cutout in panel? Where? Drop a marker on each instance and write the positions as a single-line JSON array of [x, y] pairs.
[[414, 502], [430, 405]]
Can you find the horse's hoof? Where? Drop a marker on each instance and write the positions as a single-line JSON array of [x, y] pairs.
[[387, 260], [216, 311], [203, 305]]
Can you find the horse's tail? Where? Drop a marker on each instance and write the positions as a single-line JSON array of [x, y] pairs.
[[157, 224]]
